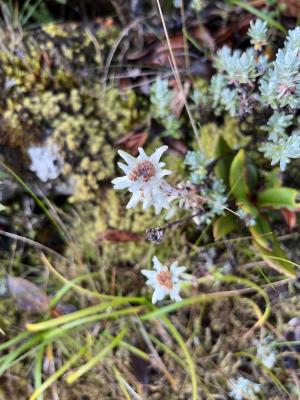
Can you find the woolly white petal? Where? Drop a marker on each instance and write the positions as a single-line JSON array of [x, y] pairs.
[[170, 214], [136, 197], [143, 155], [160, 202], [158, 208], [127, 157], [147, 203], [158, 294], [155, 296], [147, 197], [124, 167], [149, 274], [174, 294], [147, 191], [176, 271], [173, 266], [135, 187], [158, 153], [121, 183], [164, 172], [158, 265]]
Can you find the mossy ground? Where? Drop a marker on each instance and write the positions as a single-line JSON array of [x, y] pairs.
[[53, 90]]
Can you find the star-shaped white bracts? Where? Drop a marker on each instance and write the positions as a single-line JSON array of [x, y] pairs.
[[164, 281], [243, 389], [144, 179]]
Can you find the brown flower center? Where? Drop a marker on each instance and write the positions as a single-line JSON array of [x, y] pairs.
[[164, 279], [144, 169]]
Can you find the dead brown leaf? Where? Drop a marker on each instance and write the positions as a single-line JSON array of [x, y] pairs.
[[292, 8], [204, 37], [176, 145], [158, 54], [178, 100], [132, 141], [225, 34], [120, 236]]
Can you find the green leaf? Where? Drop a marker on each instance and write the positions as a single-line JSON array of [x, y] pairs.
[[248, 207], [269, 247], [277, 198], [243, 176], [276, 259], [223, 151], [224, 225], [262, 233], [273, 178]]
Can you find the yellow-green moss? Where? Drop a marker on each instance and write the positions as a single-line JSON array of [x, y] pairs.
[[230, 131], [87, 133], [55, 30], [94, 220], [53, 92]]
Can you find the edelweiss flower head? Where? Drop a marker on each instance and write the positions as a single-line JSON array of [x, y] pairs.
[[243, 389], [164, 281], [266, 356], [46, 161], [144, 179], [266, 352]]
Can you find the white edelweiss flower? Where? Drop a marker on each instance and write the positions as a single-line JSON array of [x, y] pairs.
[[46, 161], [242, 389], [265, 353], [164, 281], [144, 179]]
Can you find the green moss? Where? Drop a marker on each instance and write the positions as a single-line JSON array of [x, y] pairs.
[[55, 30], [86, 136], [39, 81], [53, 94], [230, 131], [94, 220]]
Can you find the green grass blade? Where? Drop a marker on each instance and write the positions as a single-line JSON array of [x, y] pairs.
[[62, 370], [167, 350], [29, 11], [11, 342], [266, 370], [53, 323], [202, 298], [120, 381], [258, 289], [260, 14], [96, 359], [55, 333], [188, 357], [38, 370], [9, 359], [35, 198], [69, 285]]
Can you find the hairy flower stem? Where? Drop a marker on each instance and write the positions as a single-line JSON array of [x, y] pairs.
[[180, 221], [156, 234]]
